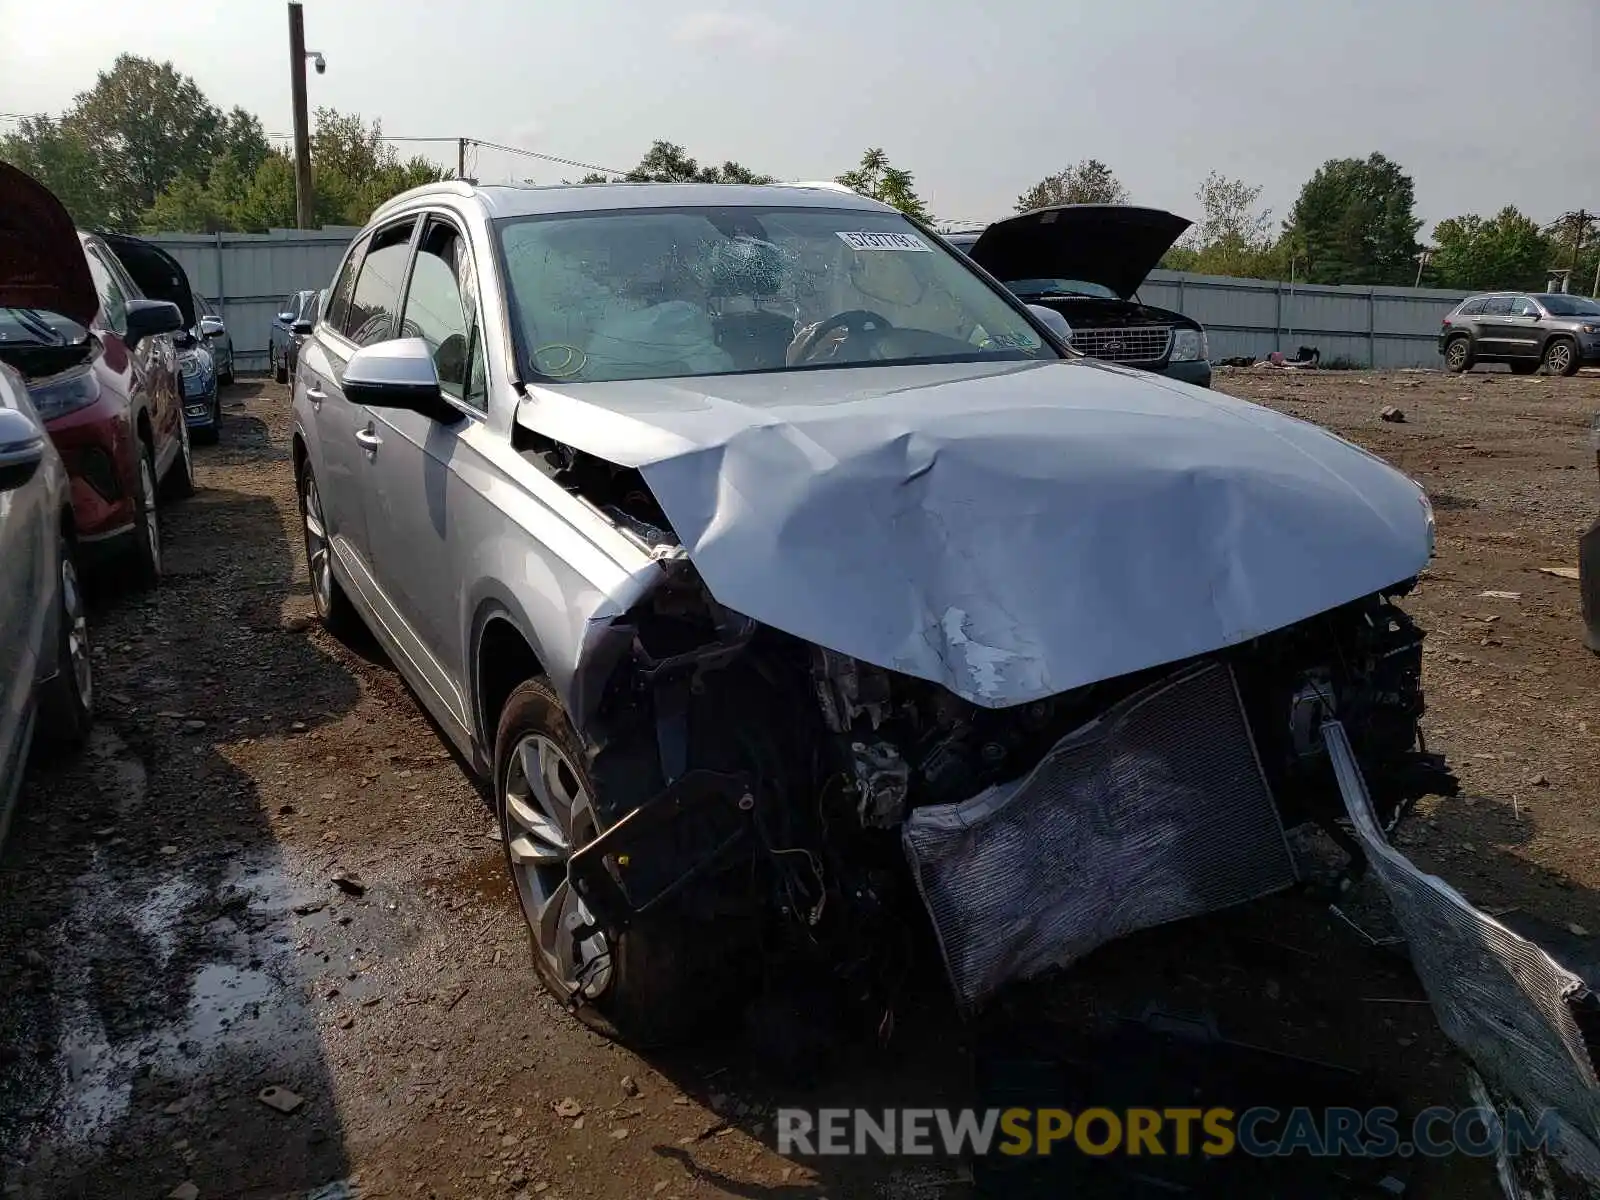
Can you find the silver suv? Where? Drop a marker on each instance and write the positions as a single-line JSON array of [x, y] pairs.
[[755, 545], [1526, 330]]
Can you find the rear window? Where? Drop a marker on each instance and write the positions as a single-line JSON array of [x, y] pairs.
[[1471, 308]]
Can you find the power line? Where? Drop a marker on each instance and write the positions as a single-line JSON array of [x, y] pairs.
[[565, 162]]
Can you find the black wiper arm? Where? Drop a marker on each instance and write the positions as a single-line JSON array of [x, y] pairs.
[[38, 326]]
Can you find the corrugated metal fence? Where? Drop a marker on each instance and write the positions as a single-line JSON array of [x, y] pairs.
[[248, 276]]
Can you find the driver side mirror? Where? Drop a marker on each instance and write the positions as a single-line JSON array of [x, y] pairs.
[[399, 374], [1053, 321], [301, 328], [147, 318], [212, 327], [286, 317], [21, 449]]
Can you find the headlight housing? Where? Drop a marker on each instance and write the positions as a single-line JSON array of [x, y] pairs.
[[64, 393], [1590, 328], [1189, 345]]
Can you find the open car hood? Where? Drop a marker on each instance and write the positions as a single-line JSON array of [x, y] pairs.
[[1115, 245], [158, 274], [41, 259], [1009, 531]]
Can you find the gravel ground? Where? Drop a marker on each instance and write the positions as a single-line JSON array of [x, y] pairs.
[[177, 951]]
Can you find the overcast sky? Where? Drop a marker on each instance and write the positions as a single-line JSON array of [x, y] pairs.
[[1483, 102]]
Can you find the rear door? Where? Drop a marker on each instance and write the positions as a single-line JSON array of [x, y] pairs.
[[362, 312], [1496, 336]]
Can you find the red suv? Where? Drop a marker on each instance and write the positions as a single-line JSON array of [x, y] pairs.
[[88, 321]]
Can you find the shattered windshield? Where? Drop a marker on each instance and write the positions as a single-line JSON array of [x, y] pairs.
[[658, 293]]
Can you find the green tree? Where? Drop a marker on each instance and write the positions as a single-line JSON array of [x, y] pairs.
[[877, 178], [1508, 250], [1354, 218], [242, 140], [60, 158], [186, 206], [144, 124], [1087, 182], [666, 162]]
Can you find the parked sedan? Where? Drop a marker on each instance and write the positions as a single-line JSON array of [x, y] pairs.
[[101, 366], [202, 393], [215, 332], [283, 343], [797, 593], [1087, 261], [46, 688]]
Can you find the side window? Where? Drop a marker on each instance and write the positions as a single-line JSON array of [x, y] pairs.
[[1497, 306], [339, 307], [113, 300], [441, 309], [1523, 307], [1471, 308], [377, 295]]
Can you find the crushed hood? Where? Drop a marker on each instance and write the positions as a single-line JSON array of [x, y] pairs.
[[1009, 531], [1115, 245], [41, 259], [158, 274]]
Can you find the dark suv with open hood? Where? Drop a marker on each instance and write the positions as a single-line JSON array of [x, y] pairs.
[[1086, 261], [90, 322]]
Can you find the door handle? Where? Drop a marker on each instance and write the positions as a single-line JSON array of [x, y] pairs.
[[369, 440], [316, 395]]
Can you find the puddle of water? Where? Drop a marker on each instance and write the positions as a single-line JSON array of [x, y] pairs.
[[158, 917]]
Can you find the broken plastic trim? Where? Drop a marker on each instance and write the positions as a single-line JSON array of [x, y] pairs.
[[1520, 1015], [621, 875]]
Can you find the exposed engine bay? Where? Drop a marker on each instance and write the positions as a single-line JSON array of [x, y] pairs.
[[783, 775]]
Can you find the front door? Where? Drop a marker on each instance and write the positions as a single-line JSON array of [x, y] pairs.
[[1522, 328], [416, 501]]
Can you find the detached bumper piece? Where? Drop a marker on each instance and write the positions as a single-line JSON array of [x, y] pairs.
[[1154, 812], [1531, 1025]]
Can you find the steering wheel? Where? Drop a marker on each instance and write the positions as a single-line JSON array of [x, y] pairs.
[[853, 321]]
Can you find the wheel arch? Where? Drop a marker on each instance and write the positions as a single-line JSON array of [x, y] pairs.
[[504, 653]]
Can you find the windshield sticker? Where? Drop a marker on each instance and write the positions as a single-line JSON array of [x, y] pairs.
[[884, 241]]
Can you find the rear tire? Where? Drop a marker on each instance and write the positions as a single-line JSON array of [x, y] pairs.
[[1561, 357], [66, 702], [146, 520], [1458, 355], [333, 607], [658, 982]]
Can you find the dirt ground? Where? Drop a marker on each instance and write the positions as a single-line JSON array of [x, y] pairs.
[[173, 942]]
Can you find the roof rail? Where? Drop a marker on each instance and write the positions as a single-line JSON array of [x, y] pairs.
[[443, 187], [827, 185]]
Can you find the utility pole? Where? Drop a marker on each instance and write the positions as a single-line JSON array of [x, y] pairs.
[[304, 200], [461, 158]]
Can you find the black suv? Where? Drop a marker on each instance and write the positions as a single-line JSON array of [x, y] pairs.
[[1527, 330]]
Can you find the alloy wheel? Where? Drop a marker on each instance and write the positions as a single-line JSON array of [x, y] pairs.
[[548, 813], [152, 523], [317, 564], [1558, 359], [1457, 354], [77, 622]]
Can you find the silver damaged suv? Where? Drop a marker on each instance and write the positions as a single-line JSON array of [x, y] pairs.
[[801, 594]]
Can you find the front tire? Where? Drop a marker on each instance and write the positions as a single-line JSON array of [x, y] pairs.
[[179, 483], [1561, 357], [1458, 355], [146, 520], [66, 702], [333, 607], [651, 985]]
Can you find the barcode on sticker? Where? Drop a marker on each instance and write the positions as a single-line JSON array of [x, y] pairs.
[[884, 241]]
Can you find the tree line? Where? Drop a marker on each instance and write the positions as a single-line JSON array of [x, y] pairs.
[[145, 149]]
